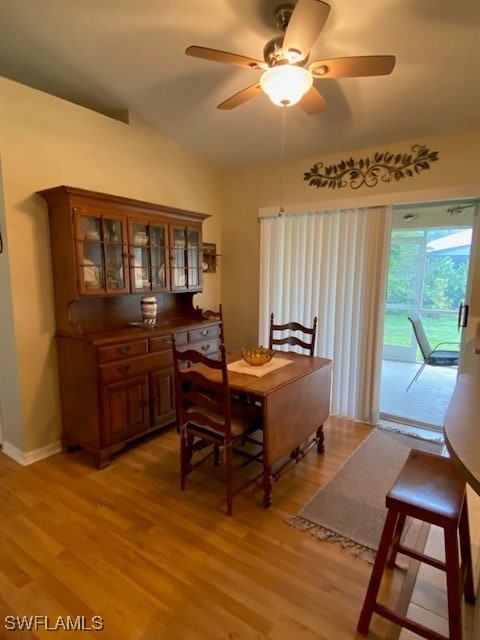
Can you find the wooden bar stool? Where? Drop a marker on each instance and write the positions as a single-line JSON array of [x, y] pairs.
[[431, 489]]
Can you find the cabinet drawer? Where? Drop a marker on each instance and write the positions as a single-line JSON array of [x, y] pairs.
[[123, 369], [207, 347], [124, 350], [181, 337], [163, 343], [205, 333], [160, 343]]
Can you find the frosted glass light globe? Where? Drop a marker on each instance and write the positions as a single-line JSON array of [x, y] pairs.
[[285, 85]]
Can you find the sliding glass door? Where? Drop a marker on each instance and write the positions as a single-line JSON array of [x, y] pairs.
[[427, 277]]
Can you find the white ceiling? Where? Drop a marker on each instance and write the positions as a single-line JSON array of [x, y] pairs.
[[115, 55]]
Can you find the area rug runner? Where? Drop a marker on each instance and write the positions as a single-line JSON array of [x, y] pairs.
[[350, 508]]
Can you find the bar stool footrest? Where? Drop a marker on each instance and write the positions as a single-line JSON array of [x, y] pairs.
[[407, 623], [417, 555]]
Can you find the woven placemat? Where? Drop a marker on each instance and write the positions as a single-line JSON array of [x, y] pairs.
[[240, 366]]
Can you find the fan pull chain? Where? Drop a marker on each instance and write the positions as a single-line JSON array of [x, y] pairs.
[[281, 209]]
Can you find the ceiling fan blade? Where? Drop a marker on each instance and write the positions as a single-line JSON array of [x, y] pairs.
[[307, 21], [313, 102], [241, 97], [224, 56], [354, 67]]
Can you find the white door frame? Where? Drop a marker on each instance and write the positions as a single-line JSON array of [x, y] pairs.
[[468, 293], [385, 199]]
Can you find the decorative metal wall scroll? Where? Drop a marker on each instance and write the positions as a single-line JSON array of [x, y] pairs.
[[383, 166]]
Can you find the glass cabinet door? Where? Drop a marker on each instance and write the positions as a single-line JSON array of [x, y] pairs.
[[186, 265], [178, 262], [122, 254], [148, 256], [115, 271], [159, 248], [194, 264], [101, 255]]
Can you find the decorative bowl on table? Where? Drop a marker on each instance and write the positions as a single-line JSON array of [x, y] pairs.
[[256, 356]]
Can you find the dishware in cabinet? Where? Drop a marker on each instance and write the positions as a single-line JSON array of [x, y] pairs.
[[185, 258], [148, 256], [100, 249]]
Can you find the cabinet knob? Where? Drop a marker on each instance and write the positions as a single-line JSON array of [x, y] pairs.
[[205, 347], [204, 332], [125, 349], [123, 369]]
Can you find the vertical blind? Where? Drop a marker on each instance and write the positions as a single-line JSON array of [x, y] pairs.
[[332, 265]]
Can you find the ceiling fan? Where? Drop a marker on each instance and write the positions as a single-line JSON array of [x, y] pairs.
[[286, 79]]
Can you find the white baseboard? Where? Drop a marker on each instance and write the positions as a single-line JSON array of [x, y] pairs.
[[30, 456]]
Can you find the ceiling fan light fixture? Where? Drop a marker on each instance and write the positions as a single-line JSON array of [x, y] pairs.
[[285, 85], [286, 80]]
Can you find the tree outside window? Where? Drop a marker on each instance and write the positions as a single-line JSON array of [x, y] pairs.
[[428, 273]]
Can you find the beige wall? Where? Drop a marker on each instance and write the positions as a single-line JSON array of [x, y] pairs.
[[246, 191], [44, 142], [10, 403]]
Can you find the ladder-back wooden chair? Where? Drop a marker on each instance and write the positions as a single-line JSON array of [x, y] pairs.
[[210, 314], [305, 341], [297, 335], [208, 421]]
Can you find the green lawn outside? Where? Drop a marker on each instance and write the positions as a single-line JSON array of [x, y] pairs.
[[398, 330]]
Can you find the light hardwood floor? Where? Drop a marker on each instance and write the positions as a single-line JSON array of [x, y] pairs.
[[125, 544]]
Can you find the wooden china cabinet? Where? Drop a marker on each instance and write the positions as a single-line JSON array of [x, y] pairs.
[[116, 375]]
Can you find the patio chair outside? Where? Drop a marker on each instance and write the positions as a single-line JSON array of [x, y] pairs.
[[435, 357]]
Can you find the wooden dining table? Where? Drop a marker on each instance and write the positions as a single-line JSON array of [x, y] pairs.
[[462, 436], [295, 402], [462, 428]]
